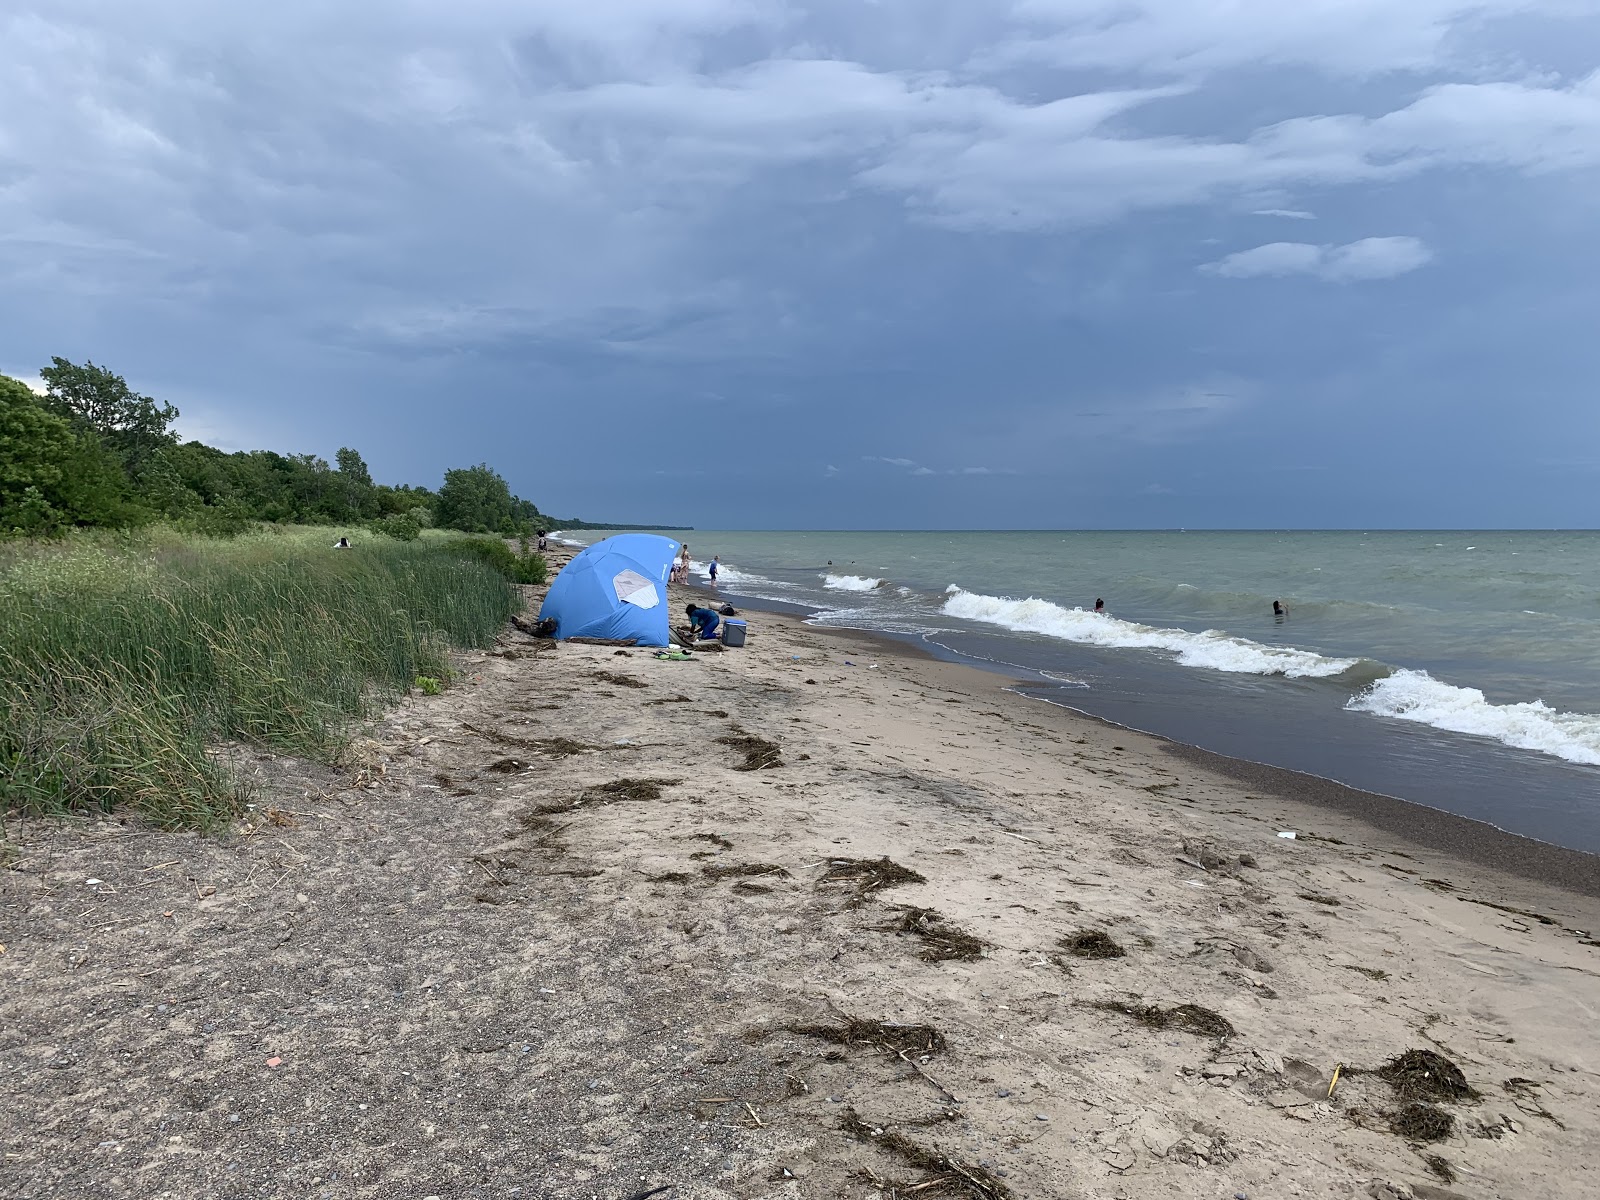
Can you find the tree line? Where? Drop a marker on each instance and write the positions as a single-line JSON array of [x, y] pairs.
[[92, 452]]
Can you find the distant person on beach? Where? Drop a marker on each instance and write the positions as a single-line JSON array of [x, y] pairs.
[[1099, 606], [342, 544], [716, 565], [544, 541], [702, 621], [681, 571], [1279, 612]]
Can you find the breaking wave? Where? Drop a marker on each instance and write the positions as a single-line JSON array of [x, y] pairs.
[[747, 583], [1409, 695], [1212, 649], [852, 583]]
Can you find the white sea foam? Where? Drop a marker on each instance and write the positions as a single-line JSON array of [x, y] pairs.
[[1417, 696], [851, 583], [746, 583], [1213, 649]]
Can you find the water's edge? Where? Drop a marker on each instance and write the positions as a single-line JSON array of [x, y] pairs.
[[1465, 838]]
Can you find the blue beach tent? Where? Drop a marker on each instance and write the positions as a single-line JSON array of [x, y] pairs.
[[616, 588]]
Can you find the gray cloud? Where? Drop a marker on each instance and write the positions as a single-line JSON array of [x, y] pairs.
[[1353, 37], [455, 227], [1369, 258]]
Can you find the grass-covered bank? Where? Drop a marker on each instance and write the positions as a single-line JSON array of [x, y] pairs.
[[125, 660]]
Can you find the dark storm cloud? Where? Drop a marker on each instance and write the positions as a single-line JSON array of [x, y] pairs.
[[1045, 252]]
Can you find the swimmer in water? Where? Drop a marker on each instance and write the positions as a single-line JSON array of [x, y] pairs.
[[1099, 606], [1279, 612]]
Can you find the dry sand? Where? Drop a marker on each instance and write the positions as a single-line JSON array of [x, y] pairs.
[[552, 939]]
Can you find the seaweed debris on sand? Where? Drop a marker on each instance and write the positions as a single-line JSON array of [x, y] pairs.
[[941, 1172], [1425, 1075], [891, 1036], [941, 941], [1190, 1018], [759, 754], [1091, 943], [863, 876]]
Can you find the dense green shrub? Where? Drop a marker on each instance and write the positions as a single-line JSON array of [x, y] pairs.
[[402, 527], [518, 568]]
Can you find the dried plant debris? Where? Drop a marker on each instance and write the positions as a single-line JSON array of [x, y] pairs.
[[508, 766], [1507, 908], [1524, 1094], [716, 839], [742, 871], [1422, 1123], [1319, 898], [1377, 973], [891, 1037], [1440, 1166], [619, 679], [617, 791], [863, 876], [1425, 1075], [759, 754], [559, 747], [941, 941], [942, 1173], [555, 747], [544, 831], [671, 877], [1189, 1018], [1091, 943]]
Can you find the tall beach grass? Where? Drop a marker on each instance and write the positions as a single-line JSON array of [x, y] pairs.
[[125, 661]]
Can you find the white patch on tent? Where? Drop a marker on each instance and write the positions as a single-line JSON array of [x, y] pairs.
[[634, 588]]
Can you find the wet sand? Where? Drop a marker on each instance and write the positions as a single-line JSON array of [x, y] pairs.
[[819, 917]]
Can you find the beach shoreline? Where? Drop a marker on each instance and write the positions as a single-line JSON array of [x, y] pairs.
[[1416, 824], [1413, 666], [821, 916]]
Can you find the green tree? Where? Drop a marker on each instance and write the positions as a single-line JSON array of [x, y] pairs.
[[353, 467], [135, 427], [52, 475], [476, 500], [355, 483]]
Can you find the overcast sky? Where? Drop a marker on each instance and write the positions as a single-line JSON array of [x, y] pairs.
[[819, 263]]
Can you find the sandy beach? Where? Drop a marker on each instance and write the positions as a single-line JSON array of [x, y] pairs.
[[817, 917]]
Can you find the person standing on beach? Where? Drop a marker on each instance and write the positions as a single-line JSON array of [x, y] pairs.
[[680, 570], [712, 569]]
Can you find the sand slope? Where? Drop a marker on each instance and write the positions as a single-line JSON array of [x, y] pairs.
[[494, 962]]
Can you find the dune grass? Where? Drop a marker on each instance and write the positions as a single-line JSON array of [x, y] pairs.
[[125, 661]]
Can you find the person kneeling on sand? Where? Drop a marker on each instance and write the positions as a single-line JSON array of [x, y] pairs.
[[703, 621]]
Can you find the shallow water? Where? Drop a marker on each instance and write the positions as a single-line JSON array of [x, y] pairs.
[[1457, 669]]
